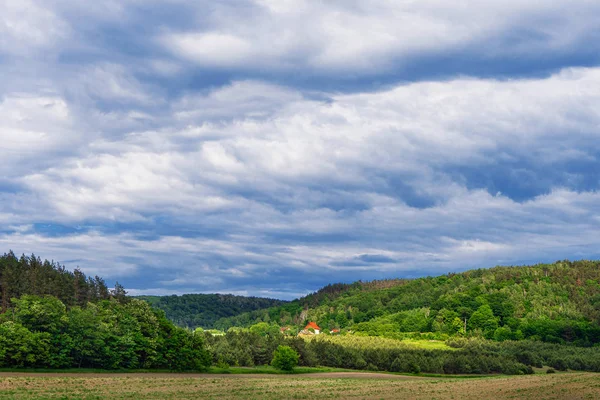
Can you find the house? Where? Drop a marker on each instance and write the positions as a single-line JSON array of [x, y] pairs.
[[315, 327], [286, 330], [335, 331]]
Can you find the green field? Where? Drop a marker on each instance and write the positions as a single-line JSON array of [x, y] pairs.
[[383, 343], [343, 385]]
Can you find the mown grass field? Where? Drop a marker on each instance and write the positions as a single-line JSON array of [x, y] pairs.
[[381, 342], [570, 386]]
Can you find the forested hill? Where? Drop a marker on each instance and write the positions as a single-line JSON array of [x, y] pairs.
[[30, 275], [557, 302], [202, 310], [54, 318]]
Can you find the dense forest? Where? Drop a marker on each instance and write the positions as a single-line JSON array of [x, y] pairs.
[[506, 320], [31, 275], [557, 303], [203, 310], [54, 318]]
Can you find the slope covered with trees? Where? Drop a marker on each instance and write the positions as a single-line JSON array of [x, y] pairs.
[[481, 321], [54, 318], [203, 310], [557, 303]]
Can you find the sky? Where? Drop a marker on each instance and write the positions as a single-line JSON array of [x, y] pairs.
[[270, 147]]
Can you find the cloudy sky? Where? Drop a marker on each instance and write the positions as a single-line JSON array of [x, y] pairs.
[[271, 147]]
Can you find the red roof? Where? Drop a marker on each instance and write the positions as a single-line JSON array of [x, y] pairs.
[[312, 325]]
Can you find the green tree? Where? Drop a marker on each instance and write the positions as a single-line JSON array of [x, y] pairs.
[[503, 333], [285, 358], [42, 314], [485, 320]]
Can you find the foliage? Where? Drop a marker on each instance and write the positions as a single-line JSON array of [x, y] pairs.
[[285, 358], [31, 275], [41, 332], [556, 303], [458, 356], [203, 310]]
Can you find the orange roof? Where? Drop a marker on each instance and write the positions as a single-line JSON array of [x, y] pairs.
[[312, 325]]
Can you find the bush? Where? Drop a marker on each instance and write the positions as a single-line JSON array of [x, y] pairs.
[[372, 367], [414, 368], [550, 371], [285, 358]]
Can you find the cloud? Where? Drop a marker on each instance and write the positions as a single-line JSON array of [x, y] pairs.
[[272, 147], [27, 27], [253, 182], [353, 37]]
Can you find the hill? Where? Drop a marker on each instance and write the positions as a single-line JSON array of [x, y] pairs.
[[203, 310], [557, 302], [54, 318]]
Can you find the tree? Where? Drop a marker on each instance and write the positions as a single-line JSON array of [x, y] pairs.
[[485, 320], [119, 293], [41, 314], [285, 358]]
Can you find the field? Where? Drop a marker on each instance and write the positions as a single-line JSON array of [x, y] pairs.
[[357, 341], [341, 385]]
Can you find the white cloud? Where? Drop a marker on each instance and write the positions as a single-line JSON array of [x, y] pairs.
[[415, 130], [29, 26], [32, 126], [110, 82], [366, 36], [211, 48]]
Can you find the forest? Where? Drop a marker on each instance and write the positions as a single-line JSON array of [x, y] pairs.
[[555, 303], [506, 320], [203, 310], [53, 318]]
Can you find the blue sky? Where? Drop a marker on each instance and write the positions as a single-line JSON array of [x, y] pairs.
[[271, 147]]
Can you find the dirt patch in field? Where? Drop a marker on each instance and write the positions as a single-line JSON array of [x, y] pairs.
[[316, 375]]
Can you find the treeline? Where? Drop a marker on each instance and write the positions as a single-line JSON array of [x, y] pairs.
[[54, 318], [31, 275], [203, 310], [247, 348], [41, 332], [558, 303]]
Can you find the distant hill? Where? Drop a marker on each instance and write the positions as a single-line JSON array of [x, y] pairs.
[[557, 302], [202, 310]]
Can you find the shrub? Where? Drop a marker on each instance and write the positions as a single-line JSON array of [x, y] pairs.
[[550, 371], [372, 367], [285, 358], [414, 368]]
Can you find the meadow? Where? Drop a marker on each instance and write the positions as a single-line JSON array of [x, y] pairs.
[[570, 386], [356, 341]]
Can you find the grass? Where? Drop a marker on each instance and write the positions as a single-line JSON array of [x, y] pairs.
[[359, 341], [428, 344], [554, 387]]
